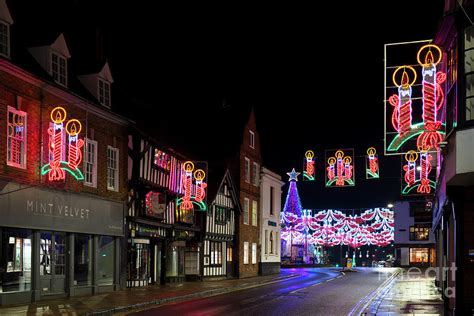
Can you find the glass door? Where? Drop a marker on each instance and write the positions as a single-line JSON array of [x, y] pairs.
[[52, 262]]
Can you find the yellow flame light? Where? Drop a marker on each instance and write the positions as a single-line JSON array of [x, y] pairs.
[[309, 154], [429, 58], [407, 83], [199, 174], [58, 115], [188, 166], [371, 151], [73, 127], [411, 156]]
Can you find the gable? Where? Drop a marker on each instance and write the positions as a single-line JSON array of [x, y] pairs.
[[105, 73], [5, 13], [60, 46]]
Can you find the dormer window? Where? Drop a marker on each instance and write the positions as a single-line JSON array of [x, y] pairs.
[[59, 69], [104, 93], [4, 39]]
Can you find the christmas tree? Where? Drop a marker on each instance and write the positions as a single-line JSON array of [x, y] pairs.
[[293, 203]]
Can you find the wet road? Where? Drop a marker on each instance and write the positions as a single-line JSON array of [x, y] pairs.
[[316, 291]]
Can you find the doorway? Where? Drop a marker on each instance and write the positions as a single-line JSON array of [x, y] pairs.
[[52, 262]]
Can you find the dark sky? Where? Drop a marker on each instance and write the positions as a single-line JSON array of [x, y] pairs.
[[314, 73]]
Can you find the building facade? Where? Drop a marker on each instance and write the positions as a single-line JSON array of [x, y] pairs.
[[164, 241], [414, 240], [248, 168], [270, 208], [453, 205], [220, 233], [62, 175]]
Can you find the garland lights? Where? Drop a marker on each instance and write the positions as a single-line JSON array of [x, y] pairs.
[[372, 164], [56, 167], [308, 166]]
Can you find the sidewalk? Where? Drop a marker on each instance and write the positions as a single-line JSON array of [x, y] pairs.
[[410, 294], [129, 299]]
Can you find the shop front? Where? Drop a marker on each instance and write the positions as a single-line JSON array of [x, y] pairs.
[[57, 244]]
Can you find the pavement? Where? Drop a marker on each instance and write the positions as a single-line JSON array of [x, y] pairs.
[[131, 299], [407, 294]]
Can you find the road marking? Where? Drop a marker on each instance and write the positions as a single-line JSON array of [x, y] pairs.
[[294, 291]]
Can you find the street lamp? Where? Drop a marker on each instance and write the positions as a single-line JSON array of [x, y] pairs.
[[389, 205]]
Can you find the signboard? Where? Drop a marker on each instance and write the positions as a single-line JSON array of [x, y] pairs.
[[35, 208]]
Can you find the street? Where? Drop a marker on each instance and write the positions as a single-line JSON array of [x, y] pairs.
[[316, 291]]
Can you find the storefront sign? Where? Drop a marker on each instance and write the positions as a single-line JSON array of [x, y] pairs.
[[46, 209]]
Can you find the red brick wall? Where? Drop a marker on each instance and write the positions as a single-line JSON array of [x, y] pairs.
[[38, 103], [249, 233]]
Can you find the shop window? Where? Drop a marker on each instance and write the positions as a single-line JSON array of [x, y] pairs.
[[139, 262], [106, 262], [82, 260], [216, 253], [419, 255], [15, 259], [175, 261], [419, 232], [229, 254]]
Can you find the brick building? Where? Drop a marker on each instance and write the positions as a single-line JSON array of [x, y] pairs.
[[62, 169]]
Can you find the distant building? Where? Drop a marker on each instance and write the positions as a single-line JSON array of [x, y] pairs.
[[270, 208], [414, 239]]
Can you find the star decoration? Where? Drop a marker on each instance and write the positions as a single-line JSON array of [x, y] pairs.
[[293, 175]]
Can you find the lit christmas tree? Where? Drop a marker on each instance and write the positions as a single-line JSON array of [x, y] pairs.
[[293, 203]]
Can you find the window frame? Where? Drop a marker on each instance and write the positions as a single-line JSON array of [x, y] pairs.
[[246, 252], [92, 184], [7, 44], [247, 170], [251, 139], [115, 188], [254, 253], [246, 211], [102, 98], [10, 163], [256, 174], [59, 57], [254, 213]]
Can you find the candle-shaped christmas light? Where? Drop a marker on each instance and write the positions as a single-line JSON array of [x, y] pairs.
[[330, 168], [73, 128], [425, 171], [339, 167], [199, 175], [308, 173], [58, 116], [373, 170], [433, 97], [188, 168], [347, 167], [410, 167], [402, 103]]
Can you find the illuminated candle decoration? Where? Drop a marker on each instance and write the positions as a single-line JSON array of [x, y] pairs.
[[433, 97], [56, 167], [402, 103], [372, 164], [431, 130], [194, 192], [308, 166], [417, 172], [155, 204], [340, 170]]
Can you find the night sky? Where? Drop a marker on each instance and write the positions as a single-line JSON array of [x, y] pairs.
[[314, 84]]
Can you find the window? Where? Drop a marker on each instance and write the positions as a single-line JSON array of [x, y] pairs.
[[229, 254], [82, 259], [16, 138], [247, 170], [246, 252], [112, 168], [271, 242], [420, 232], [216, 253], [254, 213], [246, 211], [256, 176], [59, 69], [254, 253], [90, 163], [252, 139], [15, 260], [220, 215], [272, 193], [4, 39], [277, 243], [419, 255], [106, 260], [469, 71], [266, 241], [104, 92]]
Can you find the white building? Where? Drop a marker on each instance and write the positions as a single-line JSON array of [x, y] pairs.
[[414, 240], [270, 207]]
